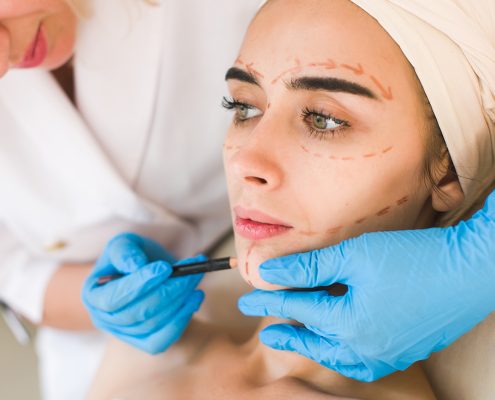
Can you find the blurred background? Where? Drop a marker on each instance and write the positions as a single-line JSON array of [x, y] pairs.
[[18, 368]]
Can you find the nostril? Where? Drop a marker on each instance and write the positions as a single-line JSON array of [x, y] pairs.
[[256, 180]]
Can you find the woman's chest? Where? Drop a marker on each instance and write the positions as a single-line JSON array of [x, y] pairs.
[[222, 372]]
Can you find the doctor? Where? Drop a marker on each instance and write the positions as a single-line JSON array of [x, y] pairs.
[[137, 147]]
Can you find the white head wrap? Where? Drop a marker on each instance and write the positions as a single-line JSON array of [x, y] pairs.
[[451, 45]]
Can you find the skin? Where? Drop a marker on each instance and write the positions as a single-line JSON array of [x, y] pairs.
[[268, 170], [339, 182], [19, 23], [63, 308]]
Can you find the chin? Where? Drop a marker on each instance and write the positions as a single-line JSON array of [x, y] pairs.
[[60, 54], [249, 260]]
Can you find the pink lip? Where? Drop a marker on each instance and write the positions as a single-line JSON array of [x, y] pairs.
[[36, 52], [255, 225]]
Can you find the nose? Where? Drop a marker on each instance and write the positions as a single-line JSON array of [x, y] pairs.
[[256, 165], [4, 50]]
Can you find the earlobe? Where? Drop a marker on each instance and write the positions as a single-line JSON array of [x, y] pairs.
[[449, 195]]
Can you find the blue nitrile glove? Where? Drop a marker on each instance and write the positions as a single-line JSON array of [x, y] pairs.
[[410, 293], [144, 308]]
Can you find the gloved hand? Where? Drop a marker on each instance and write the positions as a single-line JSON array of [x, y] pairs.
[[410, 293], [144, 308]]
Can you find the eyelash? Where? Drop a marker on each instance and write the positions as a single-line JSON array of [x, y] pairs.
[[322, 134], [234, 104]]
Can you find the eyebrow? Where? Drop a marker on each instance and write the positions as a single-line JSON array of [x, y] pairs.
[[241, 75], [331, 85]]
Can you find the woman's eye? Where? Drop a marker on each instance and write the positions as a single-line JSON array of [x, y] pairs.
[[321, 124], [324, 123], [243, 111]]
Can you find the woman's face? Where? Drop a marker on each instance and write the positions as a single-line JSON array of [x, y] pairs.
[[35, 33], [329, 133]]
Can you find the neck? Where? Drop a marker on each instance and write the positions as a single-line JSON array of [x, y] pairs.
[[265, 365]]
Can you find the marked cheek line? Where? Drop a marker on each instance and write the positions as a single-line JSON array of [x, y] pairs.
[[336, 229], [345, 158]]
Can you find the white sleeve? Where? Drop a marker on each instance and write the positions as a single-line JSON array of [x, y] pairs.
[[23, 277]]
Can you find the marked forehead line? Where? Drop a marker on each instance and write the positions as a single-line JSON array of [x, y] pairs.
[[312, 83]]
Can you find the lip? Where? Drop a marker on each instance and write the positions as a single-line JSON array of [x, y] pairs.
[[36, 52], [256, 225]]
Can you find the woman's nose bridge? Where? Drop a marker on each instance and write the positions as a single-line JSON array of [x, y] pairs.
[[258, 159]]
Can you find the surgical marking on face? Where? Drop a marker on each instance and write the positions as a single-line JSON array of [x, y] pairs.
[[361, 220], [246, 264], [383, 211], [254, 71], [329, 64], [268, 106], [386, 93], [346, 158], [334, 230], [293, 70], [369, 155], [359, 70], [402, 200]]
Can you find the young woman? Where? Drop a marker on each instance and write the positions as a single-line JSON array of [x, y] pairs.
[[333, 136]]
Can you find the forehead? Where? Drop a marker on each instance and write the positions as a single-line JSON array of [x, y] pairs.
[[321, 30]]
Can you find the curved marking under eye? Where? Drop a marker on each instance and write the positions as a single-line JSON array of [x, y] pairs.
[[305, 149]]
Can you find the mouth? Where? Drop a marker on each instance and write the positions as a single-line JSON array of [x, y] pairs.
[[256, 225], [36, 52]]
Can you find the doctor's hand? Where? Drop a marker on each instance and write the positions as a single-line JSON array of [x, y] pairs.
[[145, 307], [409, 294]]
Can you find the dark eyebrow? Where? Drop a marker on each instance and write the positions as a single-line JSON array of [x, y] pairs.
[[241, 75], [331, 85]]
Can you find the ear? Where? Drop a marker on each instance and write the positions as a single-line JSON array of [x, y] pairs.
[[449, 195]]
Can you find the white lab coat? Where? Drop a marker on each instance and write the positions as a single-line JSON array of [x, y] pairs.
[[141, 153]]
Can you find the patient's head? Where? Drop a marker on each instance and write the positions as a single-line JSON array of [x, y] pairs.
[[332, 134]]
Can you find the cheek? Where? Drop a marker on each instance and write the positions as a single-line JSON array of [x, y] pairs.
[[60, 27], [353, 197]]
